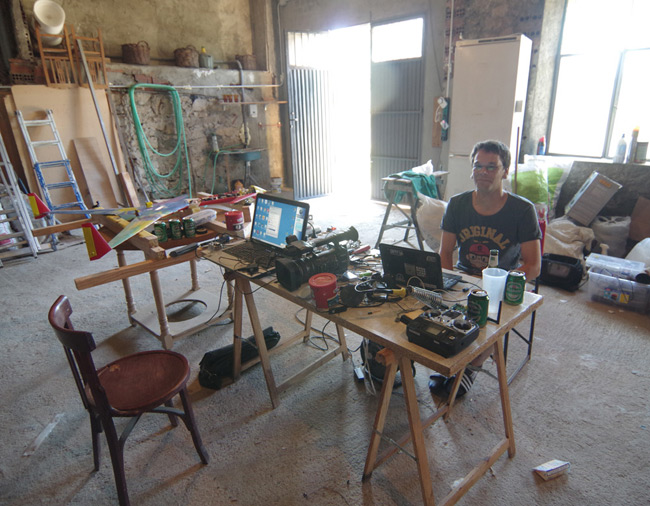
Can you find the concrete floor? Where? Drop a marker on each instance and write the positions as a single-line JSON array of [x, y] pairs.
[[583, 398]]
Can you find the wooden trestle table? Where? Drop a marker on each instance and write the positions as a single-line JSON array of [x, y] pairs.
[[379, 324]]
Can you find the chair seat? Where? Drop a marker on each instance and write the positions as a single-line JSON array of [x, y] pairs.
[[144, 380]]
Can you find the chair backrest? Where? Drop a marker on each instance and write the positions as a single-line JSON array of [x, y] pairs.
[[78, 346]]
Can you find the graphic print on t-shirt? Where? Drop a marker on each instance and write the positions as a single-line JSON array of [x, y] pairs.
[[481, 240]]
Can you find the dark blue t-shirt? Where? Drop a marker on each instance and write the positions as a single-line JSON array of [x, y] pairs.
[[476, 234]]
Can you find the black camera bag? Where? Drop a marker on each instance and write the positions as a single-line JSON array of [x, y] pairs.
[[561, 271]]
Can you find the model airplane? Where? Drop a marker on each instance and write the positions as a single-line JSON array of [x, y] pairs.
[[140, 218]]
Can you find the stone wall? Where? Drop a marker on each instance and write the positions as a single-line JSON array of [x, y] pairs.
[[205, 111], [222, 26]]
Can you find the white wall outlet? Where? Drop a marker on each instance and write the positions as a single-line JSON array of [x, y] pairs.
[[252, 110]]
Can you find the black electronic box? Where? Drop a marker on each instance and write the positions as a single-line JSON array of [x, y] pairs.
[[445, 333]]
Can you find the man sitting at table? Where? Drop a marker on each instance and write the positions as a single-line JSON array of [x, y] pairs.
[[483, 219]]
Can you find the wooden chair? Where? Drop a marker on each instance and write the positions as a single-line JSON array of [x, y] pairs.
[[139, 383]]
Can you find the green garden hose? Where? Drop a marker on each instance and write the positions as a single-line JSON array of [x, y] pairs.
[[154, 177]]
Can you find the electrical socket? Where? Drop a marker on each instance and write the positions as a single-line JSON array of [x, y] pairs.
[[252, 110]]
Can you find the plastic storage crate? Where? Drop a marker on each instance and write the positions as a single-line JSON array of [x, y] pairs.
[[620, 292], [614, 266]]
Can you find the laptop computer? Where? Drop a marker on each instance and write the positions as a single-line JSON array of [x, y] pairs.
[[408, 266], [275, 218]]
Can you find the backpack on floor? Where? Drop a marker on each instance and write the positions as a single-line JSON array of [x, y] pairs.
[[216, 366]]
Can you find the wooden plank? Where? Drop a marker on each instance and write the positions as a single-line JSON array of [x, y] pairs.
[[128, 271], [99, 184], [129, 190], [63, 227], [21, 147]]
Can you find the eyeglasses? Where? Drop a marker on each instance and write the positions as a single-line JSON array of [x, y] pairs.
[[490, 168]]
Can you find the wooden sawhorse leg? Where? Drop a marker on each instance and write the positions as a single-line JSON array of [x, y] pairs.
[[243, 286], [243, 294], [387, 357], [416, 426]]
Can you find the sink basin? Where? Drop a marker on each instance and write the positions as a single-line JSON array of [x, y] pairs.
[[247, 154]]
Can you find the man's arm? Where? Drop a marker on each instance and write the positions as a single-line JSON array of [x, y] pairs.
[[447, 246], [531, 259]]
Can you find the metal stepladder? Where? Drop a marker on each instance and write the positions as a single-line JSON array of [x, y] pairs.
[[41, 166], [14, 211]]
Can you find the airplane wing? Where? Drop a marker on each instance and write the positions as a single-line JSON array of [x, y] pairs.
[[148, 217]]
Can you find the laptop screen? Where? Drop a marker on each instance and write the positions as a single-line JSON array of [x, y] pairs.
[[276, 218], [408, 266]]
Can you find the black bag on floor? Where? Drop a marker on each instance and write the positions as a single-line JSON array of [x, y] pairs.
[[562, 271], [373, 368], [215, 366]]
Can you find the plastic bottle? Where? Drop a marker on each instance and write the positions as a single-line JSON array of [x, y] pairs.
[[631, 153], [621, 149], [205, 60], [541, 146]]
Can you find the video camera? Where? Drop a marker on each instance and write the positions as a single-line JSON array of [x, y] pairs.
[[293, 272]]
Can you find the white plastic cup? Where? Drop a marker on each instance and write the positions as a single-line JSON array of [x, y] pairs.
[[494, 283]]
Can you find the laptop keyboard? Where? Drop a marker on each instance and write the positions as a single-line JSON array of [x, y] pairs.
[[449, 280], [252, 254]]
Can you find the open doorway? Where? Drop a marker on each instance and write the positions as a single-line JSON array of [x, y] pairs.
[[355, 107]]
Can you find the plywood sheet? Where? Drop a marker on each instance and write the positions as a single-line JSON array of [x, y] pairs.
[[75, 117], [96, 174]]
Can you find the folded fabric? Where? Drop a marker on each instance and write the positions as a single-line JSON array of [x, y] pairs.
[[422, 183]]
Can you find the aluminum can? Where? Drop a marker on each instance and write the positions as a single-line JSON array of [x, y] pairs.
[[177, 229], [477, 306], [515, 288], [189, 228], [160, 229]]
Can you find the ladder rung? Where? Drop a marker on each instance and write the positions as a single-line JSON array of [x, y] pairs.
[[52, 163], [37, 122], [62, 184], [68, 205], [50, 142], [4, 212]]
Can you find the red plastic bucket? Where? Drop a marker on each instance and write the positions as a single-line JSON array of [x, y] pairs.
[[234, 220], [323, 286]]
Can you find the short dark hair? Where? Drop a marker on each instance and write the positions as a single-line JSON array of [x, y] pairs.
[[496, 147]]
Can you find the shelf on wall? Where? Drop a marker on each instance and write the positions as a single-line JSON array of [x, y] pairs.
[[264, 102]]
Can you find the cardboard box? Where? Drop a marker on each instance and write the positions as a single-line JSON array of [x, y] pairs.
[[552, 469], [591, 198]]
